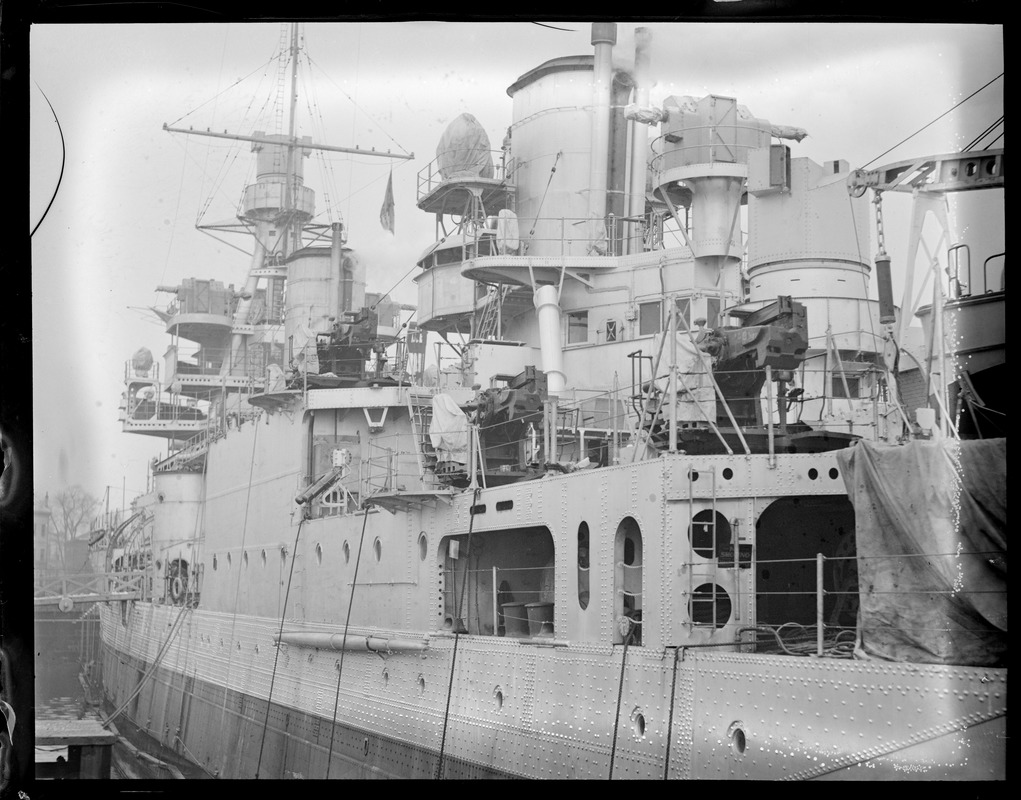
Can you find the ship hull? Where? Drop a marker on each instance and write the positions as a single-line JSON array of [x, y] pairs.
[[517, 710]]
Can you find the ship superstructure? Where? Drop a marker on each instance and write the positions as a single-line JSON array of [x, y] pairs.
[[609, 534]]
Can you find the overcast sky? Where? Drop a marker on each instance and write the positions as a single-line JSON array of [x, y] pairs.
[[123, 219]]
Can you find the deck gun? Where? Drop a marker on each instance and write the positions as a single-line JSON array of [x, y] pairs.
[[504, 414], [774, 336]]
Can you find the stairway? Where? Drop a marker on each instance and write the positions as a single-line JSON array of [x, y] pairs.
[[420, 411]]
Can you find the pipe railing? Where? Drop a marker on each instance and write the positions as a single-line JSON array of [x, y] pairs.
[[430, 177], [824, 608], [712, 142], [557, 237], [490, 610]]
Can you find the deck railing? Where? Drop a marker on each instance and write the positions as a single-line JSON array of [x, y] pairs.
[[430, 178], [93, 587]]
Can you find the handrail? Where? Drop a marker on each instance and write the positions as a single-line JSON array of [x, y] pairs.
[[95, 585], [661, 152], [594, 238], [430, 178], [1003, 273]]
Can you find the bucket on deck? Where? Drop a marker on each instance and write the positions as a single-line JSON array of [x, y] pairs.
[[540, 619], [515, 619]]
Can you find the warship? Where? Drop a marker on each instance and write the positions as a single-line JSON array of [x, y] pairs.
[[645, 485]]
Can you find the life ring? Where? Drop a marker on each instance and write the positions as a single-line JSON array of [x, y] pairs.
[[176, 589]]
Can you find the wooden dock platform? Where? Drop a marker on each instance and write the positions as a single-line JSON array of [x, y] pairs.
[[89, 748]]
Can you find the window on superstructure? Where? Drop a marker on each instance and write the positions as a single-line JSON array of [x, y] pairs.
[[612, 331], [712, 306], [518, 563], [628, 579], [853, 385], [649, 318], [577, 327], [583, 565], [683, 313]]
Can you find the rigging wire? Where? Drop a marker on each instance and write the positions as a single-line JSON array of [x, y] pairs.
[[271, 59], [217, 181], [237, 586], [276, 658], [670, 718], [552, 172], [620, 695], [208, 150], [994, 141], [318, 125], [982, 135], [388, 291], [956, 105], [347, 627], [174, 630], [457, 635], [177, 215], [355, 104], [864, 279]]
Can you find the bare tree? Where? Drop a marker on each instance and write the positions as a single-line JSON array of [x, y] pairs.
[[72, 508]]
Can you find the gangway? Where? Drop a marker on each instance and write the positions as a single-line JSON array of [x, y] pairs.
[[66, 591]]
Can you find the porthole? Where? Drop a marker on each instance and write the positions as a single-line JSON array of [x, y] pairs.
[[421, 684], [377, 549], [813, 473], [319, 554], [159, 565], [738, 740], [702, 535], [283, 555], [263, 558], [228, 560], [214, 563], [498, 698], [638, 723], [694, 475], [728, 473], [347, 552], [834, 474], [423, 546], [386, 678], [709, 604], [244, 559]]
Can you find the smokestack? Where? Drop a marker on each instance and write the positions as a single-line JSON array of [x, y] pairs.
[[639, 135], [336, 269], [604, 37]]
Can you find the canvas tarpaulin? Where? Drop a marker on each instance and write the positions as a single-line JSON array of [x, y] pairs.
[[448, 430], [463, 151], [931, 521]]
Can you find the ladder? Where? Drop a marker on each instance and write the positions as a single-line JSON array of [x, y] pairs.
[[709, 530], [420, 412], [489, 323]]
